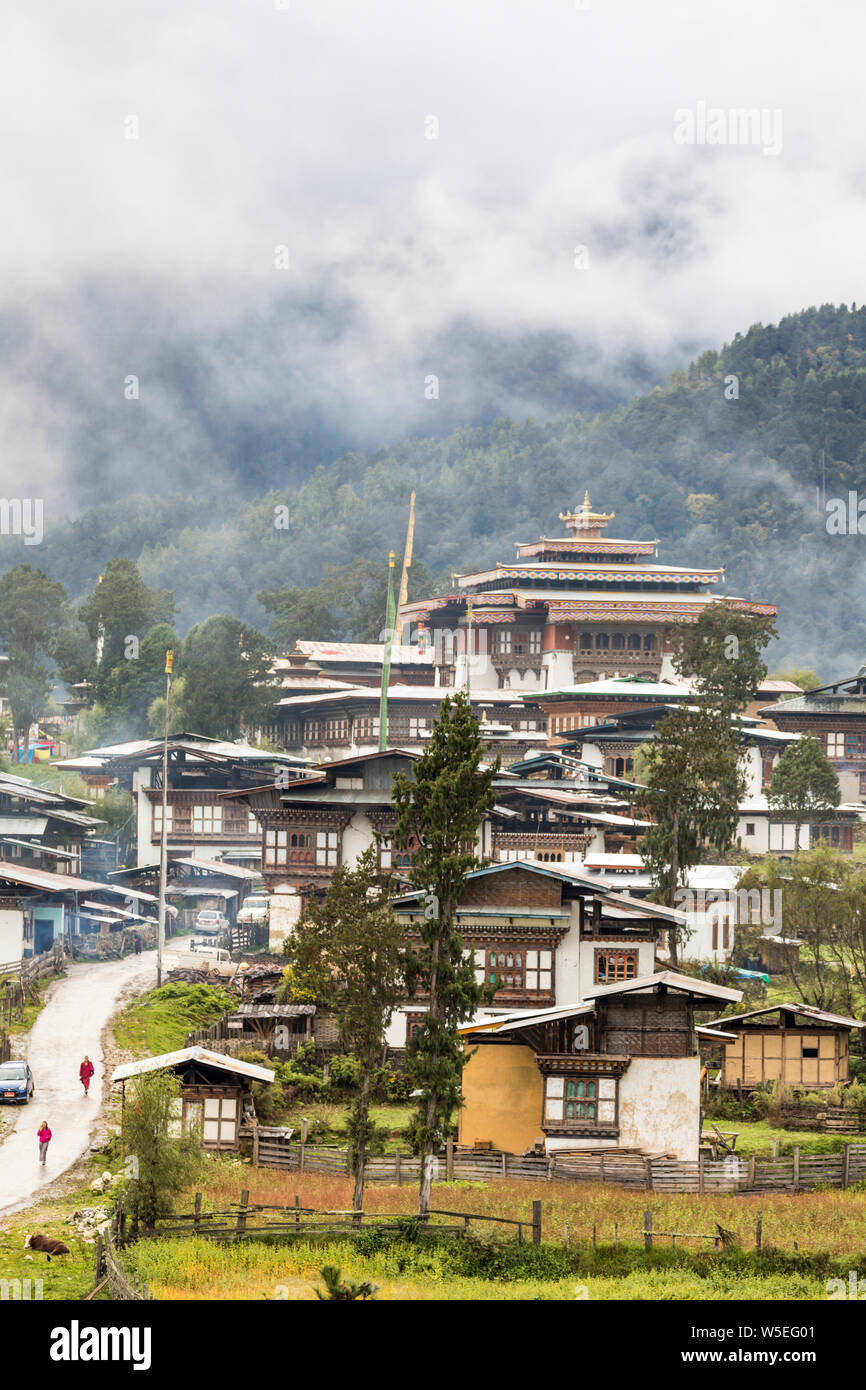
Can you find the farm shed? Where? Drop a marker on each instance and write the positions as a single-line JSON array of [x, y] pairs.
[[215, 1089], [258, 1024], [795, 1043]]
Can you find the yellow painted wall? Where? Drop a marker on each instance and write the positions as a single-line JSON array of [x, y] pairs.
[[503, 1091]]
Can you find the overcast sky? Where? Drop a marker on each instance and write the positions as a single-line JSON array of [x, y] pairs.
[[261, 126]]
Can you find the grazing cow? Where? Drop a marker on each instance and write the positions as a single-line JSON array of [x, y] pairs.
[[47, 1244]]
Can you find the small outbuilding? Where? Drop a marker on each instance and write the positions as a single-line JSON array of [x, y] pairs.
[[215, 1090], [795, 1043]]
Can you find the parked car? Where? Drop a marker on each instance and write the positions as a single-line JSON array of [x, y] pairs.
[[210, 922], [255, 909], [16, 1082]]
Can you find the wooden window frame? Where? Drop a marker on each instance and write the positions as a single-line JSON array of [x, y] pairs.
[[616, 955]]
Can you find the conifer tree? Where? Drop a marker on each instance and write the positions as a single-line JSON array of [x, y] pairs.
[[350, 951], [439, 812]]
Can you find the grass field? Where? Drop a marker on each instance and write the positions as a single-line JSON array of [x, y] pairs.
[[807, 1238], [71, 1276], [758, 1137], [199, 1269], [160, 1020]]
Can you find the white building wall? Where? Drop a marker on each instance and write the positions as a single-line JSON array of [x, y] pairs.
[[558, 669], [646, 952], [659, 1110], [147, 852], [11, 935], [357, 837], [284, 912]]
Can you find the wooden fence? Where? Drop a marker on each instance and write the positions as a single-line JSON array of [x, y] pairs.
[[18, 981], [732, 1174]]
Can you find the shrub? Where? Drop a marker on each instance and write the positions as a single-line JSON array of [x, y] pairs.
[[344, 1072], [305, 1060], [392, 1086]]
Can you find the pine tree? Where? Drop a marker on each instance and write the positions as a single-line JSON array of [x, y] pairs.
[[350, 951], [439, 812]]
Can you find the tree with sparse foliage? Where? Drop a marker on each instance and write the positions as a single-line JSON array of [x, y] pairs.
[[439, 811], [804, 786], [722, 653], [350, 951], [694, 782], [160, 1159]]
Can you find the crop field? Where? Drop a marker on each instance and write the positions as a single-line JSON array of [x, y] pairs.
[[831, 1223], [807, 1238]]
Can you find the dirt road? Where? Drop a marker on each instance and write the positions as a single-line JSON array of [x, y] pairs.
[[69, 1026]]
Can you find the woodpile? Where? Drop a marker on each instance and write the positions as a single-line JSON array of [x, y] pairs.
[[188, 977]]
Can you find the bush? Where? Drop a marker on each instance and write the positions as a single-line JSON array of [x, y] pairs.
[[344, 1072], [305, 1060], [392, 1086]]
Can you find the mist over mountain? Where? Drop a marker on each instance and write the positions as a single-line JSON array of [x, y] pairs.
[[130, 390], [722, 463]]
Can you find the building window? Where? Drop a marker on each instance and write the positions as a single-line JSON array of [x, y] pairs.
[[502, 640], [503, 968], [611, 966], [207, 820], [649, 643], [572, 1102], [252, 824], [327, 848], [586, 641], [767, 765], [366, 727], [750, 827], [276, 847], [835, 745], [618, 642], [535, 643], [837, 836], [855, 745], [157, 819], [539, 970], [634, 641], [602, 641]]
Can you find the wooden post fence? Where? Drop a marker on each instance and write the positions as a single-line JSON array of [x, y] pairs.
[[648, 1230], [449, 1159], [242, 1214], [796, 1167], [846, 1164], [536, 1222], [759, 1232], [197, 1212]]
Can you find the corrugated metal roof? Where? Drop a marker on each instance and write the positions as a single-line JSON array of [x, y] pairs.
[[807, 1010], [686, 983], [221, 1061]]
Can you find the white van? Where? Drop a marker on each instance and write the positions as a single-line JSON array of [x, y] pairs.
[[197, 955]]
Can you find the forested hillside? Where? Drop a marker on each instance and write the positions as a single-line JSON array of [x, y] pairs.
[[722, 471]]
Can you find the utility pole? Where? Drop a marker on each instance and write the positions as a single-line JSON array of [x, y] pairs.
[[160, 930]]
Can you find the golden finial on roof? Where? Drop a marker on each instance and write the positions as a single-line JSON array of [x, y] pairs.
[[586, 522]]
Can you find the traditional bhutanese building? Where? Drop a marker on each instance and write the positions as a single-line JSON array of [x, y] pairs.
[[583, 607]]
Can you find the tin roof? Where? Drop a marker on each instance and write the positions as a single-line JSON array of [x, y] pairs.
[[219, 1060]]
